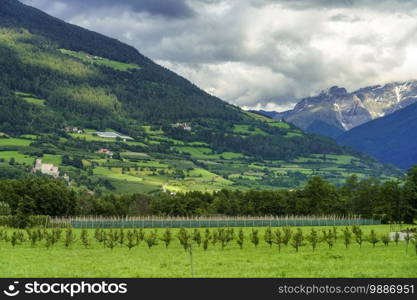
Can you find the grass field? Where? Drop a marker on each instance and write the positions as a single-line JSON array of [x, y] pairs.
[[263, 261], [101, 61], [15, 142]]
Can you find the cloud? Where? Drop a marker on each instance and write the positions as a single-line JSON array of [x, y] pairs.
[[261, 53], [166, 8]]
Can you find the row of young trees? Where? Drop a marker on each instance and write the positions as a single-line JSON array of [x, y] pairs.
[[205, 239], [391, 201]]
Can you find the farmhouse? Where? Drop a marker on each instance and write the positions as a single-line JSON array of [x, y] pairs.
[[113, 135], [73, 129], [184, 126], [106, 152]]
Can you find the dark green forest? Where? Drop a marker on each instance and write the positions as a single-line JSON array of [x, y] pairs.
[[89, 95], [391, 201]]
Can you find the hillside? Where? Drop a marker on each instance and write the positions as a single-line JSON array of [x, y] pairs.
[[114, 121], [336, 111], [392, 139]]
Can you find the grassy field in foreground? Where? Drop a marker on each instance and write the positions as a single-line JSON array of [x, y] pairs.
[[263, 261]]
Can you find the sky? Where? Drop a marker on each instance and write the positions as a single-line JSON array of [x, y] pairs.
[[261, 54]]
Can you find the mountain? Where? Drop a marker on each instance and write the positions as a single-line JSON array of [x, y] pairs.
[[335, 110], [391, 139], [114, 121]]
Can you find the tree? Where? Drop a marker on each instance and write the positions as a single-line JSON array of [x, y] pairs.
[[167, 237], [328, 238], [197, 237], [373, 238], [151, 239], [184, 238], [396, 238], [206, 239], [297, 240], [313, 239], [110, 239], [414, 241], [240, 239], [131, 240], [347, 237], [278, 238], [410, 196], [24, 210], [254, 237], [407, 238], [69, 237], [287, 235], [4, 209], [318, 197], [85, 240], [385, 239], [268, 236], [357, 231]]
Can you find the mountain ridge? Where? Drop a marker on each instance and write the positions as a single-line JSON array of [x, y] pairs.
[[391, 139], [343, 111], [183, 138]]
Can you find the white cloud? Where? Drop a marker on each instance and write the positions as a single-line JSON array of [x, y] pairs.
[[265, 53]]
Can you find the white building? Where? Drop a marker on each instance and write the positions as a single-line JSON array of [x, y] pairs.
[[48, 169], [113, 135]]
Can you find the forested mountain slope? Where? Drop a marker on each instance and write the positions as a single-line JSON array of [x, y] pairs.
[[392, 139], [61, 84]]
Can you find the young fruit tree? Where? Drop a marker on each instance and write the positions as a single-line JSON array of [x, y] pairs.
[[407, 239], [297, 240], [287, 235], [373, 238], [385, 239], [268, 236], [85, 240], [197, 237], [131, 240], [111, 239], [313, 239], [278, 239], [184, 238], [240, 240], [357, 231], [347, 237], [396, 238], [335, 233], [69, 237], [151, 239], [328, 238], [206, 239], [167, 237], [414, 241], [223, 237], [254, 237]]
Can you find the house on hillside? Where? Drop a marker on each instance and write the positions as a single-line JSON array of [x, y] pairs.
[[106, 152], [184, 126], [49, 169], [73, 129]]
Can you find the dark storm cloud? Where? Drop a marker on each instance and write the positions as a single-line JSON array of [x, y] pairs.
[[166, 8]]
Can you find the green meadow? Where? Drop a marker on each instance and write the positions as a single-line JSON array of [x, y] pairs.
[[250, 261]]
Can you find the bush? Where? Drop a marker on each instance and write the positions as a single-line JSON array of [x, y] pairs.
[[32, 221], [4, 209]]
